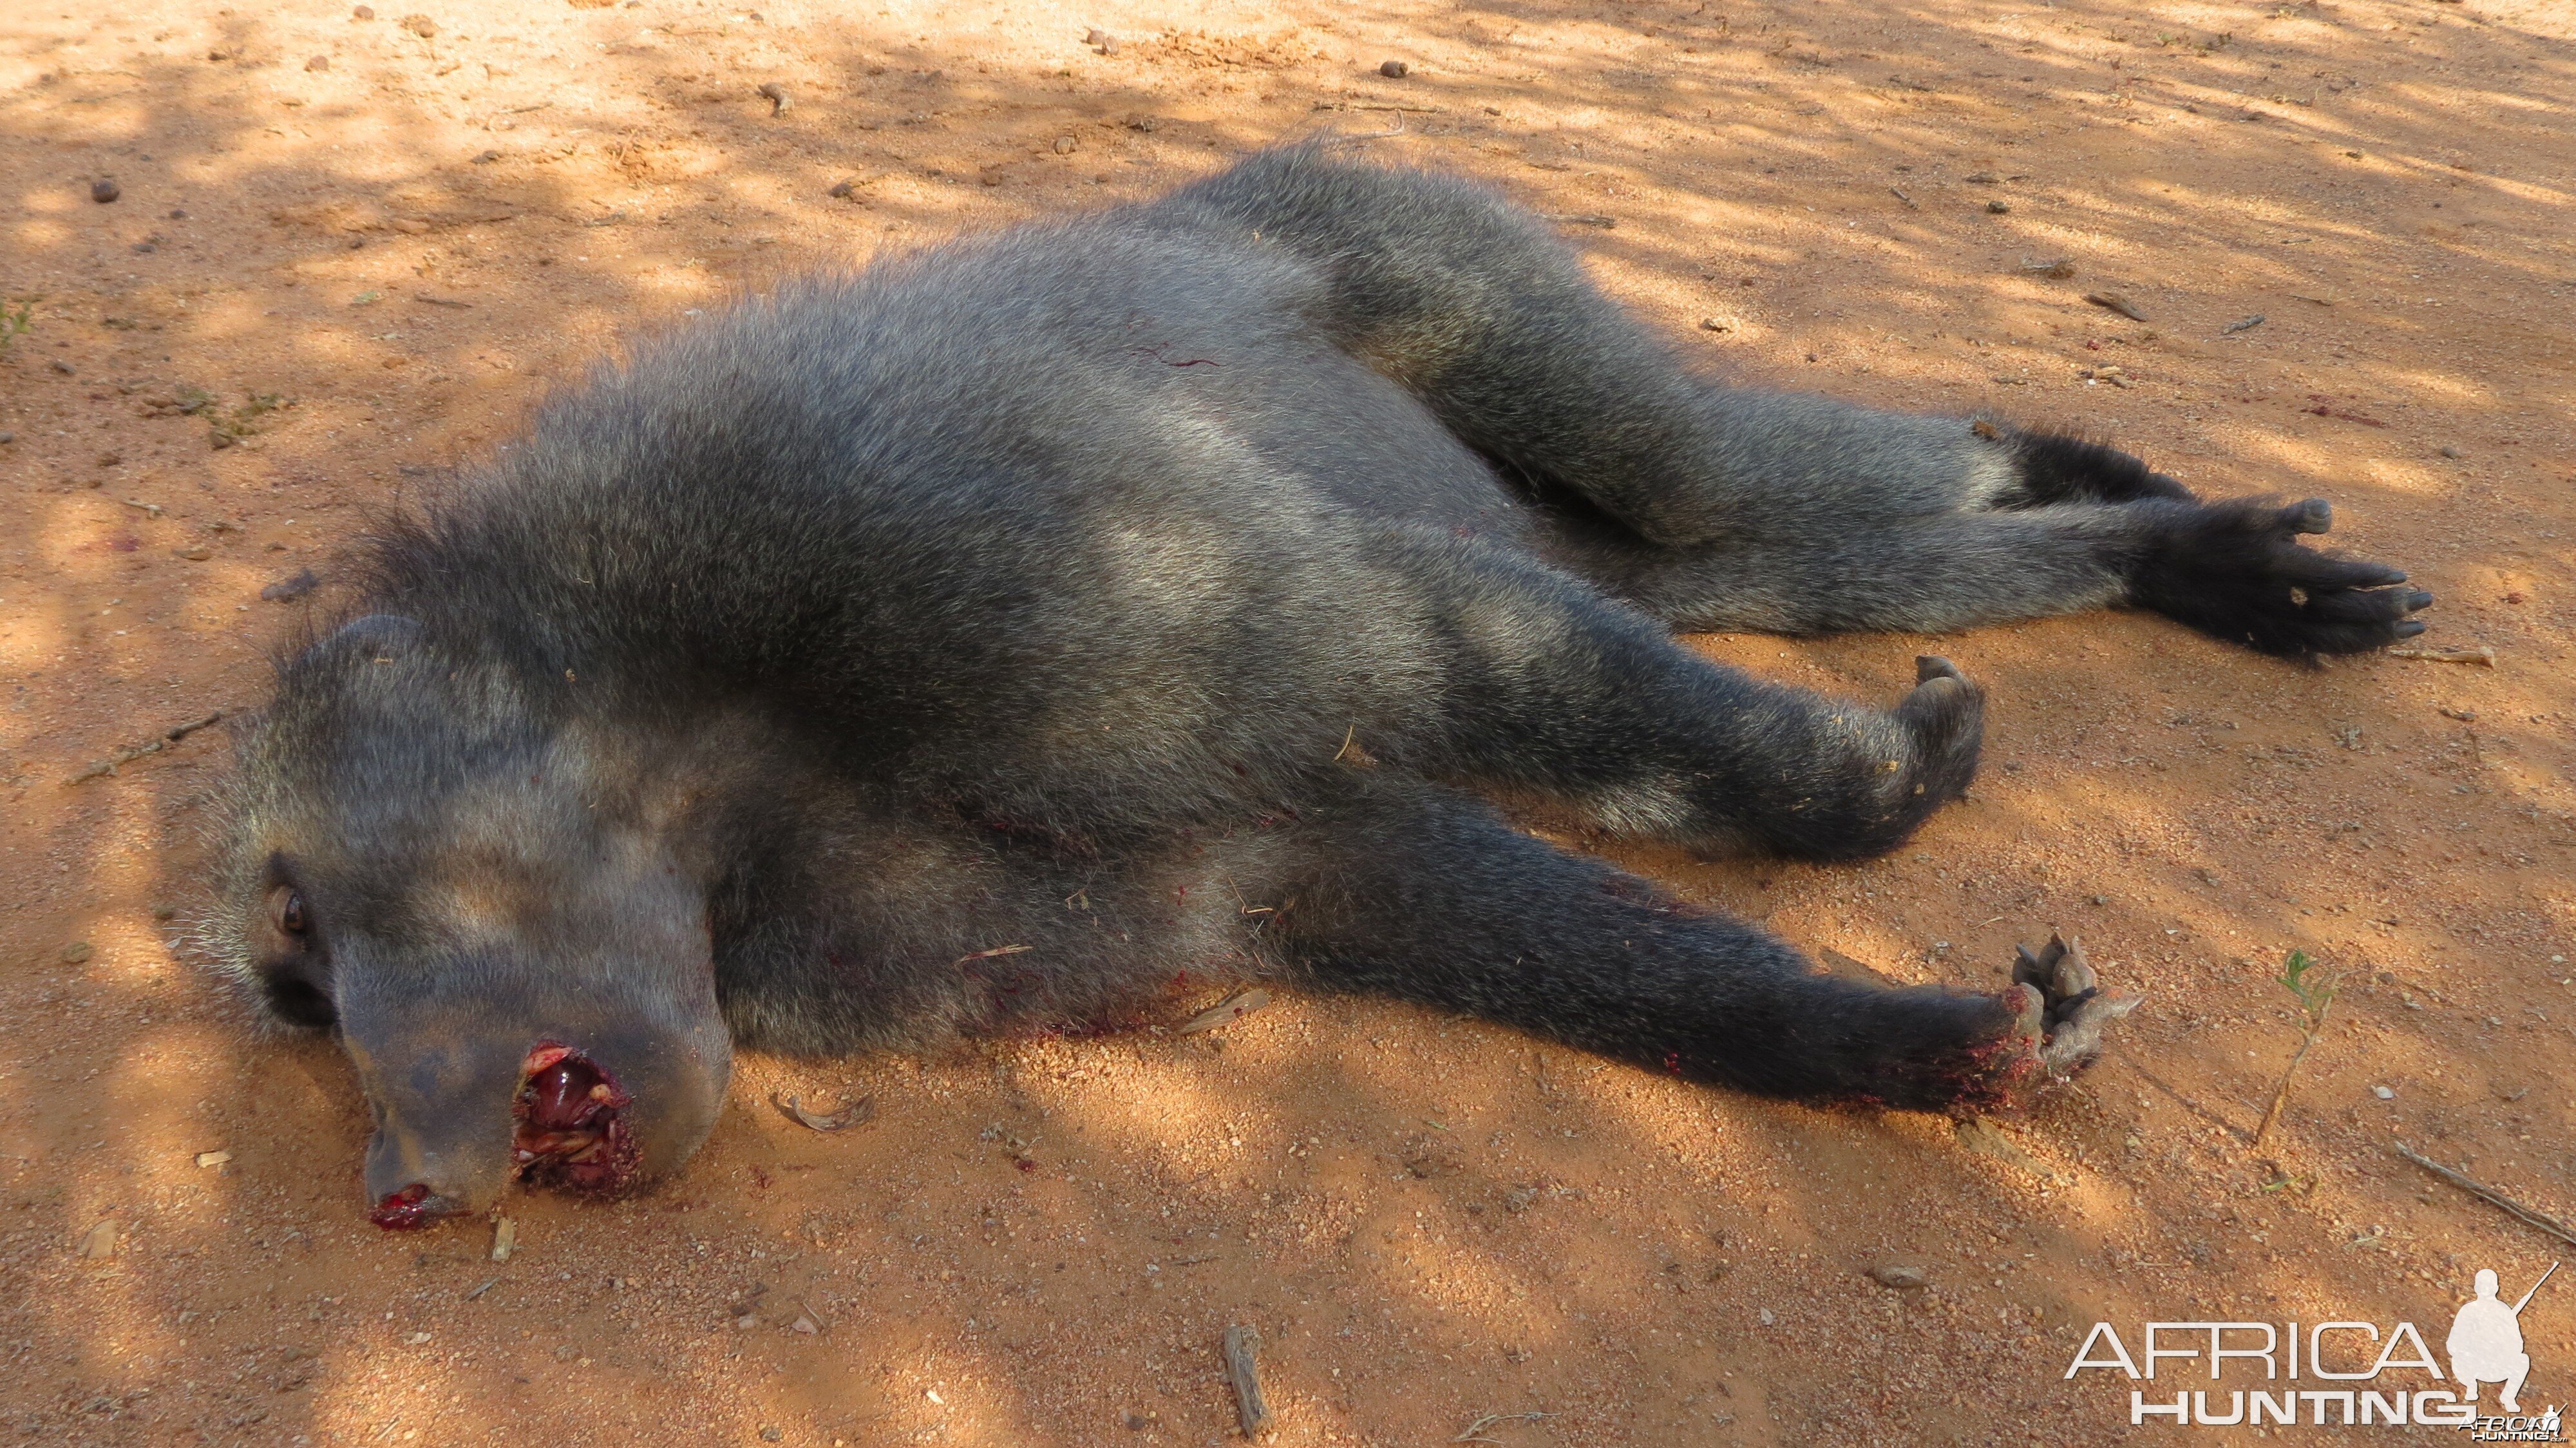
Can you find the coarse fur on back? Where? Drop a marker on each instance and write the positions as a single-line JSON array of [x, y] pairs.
[[988, 638]]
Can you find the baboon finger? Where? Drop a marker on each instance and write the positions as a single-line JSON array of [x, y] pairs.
[[2037, 970], [2311, 570], [2073, 975], [2077, 1042]]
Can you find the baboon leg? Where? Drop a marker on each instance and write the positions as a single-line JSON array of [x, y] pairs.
[[1548, 686], [2231, 570], [1409, 890], [1488, 319]]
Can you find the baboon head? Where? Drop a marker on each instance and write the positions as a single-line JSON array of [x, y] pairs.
[[422, 855]]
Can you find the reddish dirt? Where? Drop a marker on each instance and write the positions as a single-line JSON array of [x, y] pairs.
[[401, 239]]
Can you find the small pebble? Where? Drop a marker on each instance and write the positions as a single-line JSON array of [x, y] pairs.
[[363, 12], [213, 1158], [420, 25], [2449, 451], [177, 214], [1900, 1277], [1395, 70], [1064, 145], [8, 437], [777, 94], [319, 62], [486, 158], [76, 952], [1998, 207], [99, 1242], [104, 191], [1095, 36], [2101, 899], [198, 554], [2383, 1093]]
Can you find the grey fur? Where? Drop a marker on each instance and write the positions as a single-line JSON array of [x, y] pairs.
[[983, 640]]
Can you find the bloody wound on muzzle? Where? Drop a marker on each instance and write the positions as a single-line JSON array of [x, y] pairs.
[[571, 1131]]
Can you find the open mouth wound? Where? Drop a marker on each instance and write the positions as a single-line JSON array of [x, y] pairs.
[[571, 1123]]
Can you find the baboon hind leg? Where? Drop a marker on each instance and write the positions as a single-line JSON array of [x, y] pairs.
[[1834, 516], [1413, 891], [2232, 570], [1488, 319]]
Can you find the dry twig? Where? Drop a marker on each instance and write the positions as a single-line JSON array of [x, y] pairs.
[[852, 1113], [2490, 1195], [1232, 1008], [2481, 655], [128, 756], [1473, 1432]]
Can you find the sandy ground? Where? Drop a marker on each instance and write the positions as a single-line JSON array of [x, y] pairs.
[[353, 251]]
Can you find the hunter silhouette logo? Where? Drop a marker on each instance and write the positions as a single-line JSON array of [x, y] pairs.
[[2486, 1341], [2362, 1377]]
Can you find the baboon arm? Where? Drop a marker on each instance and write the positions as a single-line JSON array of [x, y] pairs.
[[1416, 892]]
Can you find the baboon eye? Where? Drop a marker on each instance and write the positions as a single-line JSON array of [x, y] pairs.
[[290, 911]]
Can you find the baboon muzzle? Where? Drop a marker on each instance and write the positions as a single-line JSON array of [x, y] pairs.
[[594, 1096]]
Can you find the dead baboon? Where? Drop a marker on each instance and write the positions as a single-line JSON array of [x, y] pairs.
[[980, 641]]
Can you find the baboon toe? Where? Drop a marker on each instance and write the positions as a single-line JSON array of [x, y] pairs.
[[2077, 1040]]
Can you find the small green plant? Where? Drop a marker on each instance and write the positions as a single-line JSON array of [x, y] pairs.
[[14, 323], [2314, 989]]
